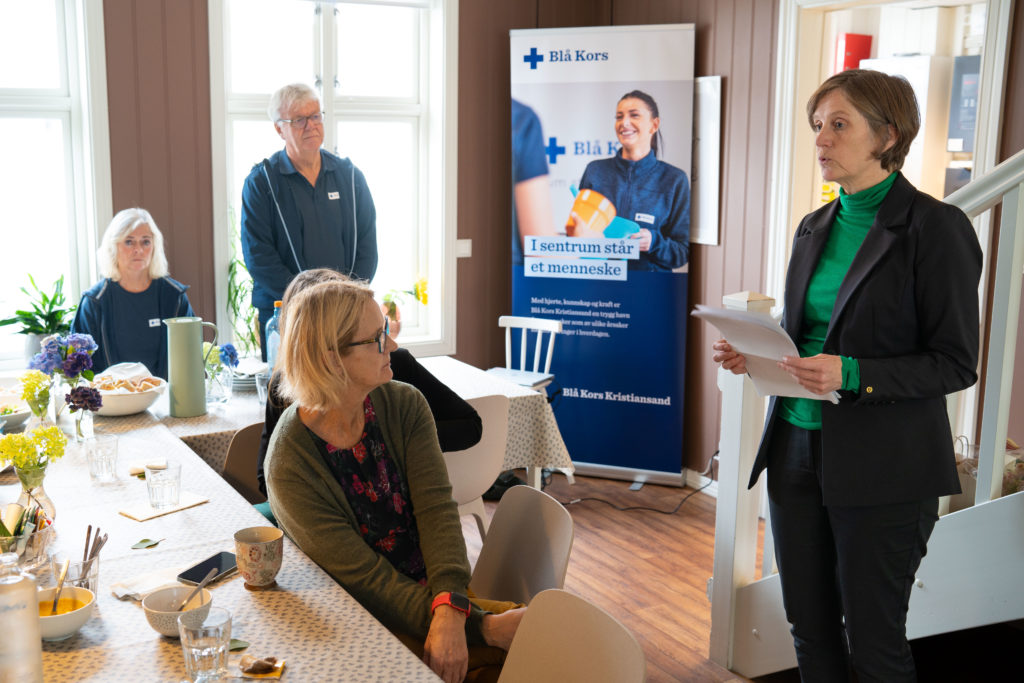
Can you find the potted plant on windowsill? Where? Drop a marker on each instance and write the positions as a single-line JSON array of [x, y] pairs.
[[49, 315]]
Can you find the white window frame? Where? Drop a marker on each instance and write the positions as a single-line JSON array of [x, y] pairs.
[[437, 154], [81, 102]]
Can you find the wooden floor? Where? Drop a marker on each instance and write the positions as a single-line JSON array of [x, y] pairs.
[[650, 571]]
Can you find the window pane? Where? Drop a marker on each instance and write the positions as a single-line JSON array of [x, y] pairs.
[[385, 151], [269, 44], [29, 48], [378, 51], [35, 215], [252, 141]]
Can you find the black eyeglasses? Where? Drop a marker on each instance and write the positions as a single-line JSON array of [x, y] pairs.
[[381, 340], [301, 121]]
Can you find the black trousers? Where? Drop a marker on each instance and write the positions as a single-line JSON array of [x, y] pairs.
[[851, 565]]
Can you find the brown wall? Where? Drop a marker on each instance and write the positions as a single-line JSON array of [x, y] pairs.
[[1013, 142], [158, 85], [735, 40], [158, 90]]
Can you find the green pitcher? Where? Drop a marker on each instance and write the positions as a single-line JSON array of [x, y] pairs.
[[185, 366]]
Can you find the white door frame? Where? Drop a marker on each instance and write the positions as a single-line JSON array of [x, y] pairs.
[[790, 133]]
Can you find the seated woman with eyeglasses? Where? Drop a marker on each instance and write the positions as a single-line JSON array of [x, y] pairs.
[[356, 478]]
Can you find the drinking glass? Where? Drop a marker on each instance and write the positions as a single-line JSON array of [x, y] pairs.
[[163, 481], [262, 382], [101, 452], [89, 578], [205, 645]]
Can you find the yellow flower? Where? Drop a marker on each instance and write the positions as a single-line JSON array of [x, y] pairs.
[[419, 290], [42, 447], [35, 390]]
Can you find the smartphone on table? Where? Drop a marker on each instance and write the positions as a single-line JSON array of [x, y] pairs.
[[224, 562]]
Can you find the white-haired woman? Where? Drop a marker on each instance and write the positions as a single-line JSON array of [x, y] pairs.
[[123, 311]]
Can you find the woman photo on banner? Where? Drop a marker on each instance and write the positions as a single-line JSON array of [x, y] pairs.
[[650, 199]]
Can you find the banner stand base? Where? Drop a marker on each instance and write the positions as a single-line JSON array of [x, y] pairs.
[[685, 478]]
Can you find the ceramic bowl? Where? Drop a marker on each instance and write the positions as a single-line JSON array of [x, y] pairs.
[[12, 421], [161, 608], [63, 626], [116, 404]]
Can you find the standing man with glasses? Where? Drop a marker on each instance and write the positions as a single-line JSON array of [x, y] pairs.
[[303, 207]]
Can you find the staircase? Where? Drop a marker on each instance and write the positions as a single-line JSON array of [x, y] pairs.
[[970, 576]]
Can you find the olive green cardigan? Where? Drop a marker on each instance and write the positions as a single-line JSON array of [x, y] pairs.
[[310, 506]]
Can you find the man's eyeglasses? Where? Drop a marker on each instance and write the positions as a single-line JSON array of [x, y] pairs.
[[381, 340], [300, 122]]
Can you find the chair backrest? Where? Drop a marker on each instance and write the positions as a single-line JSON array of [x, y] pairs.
[[473, 470], [241, 461], [537, 325], [562, 637], [527, 547]]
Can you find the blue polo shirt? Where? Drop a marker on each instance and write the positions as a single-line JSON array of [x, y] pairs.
[[331, 224], [654, 194], [528, 160]]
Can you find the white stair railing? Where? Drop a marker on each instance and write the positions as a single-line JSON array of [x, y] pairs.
[[749, 635], [1005, 184]]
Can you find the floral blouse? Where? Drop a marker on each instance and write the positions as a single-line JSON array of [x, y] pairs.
[[378, 496]]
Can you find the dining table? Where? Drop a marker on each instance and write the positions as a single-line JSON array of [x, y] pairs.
[[307, 619], [534, 440], [209, 435]]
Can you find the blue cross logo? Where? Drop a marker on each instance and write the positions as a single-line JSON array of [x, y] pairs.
[[533, 58], [553, 150]]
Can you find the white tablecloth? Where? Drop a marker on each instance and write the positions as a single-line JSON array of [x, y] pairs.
[[308, 620], [533, 436], [208, 435]]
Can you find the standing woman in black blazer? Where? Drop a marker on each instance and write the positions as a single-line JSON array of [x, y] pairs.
[[882, 301]]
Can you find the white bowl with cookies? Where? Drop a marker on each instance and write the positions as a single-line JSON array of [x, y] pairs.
[[127, 389]]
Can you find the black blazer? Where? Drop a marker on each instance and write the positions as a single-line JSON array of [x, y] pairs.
[[907, 310]]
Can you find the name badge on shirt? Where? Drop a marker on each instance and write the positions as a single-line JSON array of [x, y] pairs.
[[154, 322], [644, 218], [333, 195]]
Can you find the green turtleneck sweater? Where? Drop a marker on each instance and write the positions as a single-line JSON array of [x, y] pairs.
[[853, 220]]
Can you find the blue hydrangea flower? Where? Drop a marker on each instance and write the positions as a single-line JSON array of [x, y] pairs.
[[46, 362], [80, 342], [229, 355], [84, 398], [76, 363], [52, 344]]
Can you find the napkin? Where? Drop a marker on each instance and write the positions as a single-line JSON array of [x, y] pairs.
[[139, 587], [140, 512]]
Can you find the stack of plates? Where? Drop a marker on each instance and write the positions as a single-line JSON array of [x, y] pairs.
[[244, 382]]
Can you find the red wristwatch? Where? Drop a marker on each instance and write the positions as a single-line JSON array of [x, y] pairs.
[[455, 600]]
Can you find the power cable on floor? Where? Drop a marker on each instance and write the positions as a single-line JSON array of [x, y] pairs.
[[645, 508]]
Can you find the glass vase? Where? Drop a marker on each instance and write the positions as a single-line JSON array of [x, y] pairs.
[[83, 425], [32, 491], [218, 385]]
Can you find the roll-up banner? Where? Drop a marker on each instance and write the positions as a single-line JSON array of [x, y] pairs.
[[602, 122]]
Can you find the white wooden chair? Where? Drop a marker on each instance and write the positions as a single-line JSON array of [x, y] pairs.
[[539, 376], [527, 547], [562, 637], [473, 470]]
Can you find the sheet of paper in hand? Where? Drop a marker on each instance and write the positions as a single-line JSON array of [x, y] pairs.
[[763, 342]]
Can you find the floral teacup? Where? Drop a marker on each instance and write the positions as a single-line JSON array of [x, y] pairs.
[[258, 553]]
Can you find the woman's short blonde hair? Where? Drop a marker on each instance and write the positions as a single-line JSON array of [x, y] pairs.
[[884, 101], [321, 321], [120, 227]]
